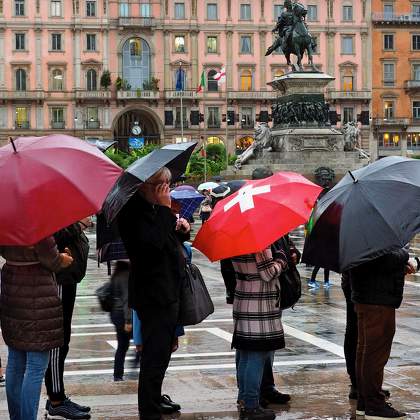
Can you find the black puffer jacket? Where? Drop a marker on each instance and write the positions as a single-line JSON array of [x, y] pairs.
[[380, 281]]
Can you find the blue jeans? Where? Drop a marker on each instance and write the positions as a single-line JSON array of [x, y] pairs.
[[249, 373], [24, 375]]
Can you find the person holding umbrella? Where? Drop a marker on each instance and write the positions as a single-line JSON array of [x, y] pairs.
[[153, 238], [31, 320]]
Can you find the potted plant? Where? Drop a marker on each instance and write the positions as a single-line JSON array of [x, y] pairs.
[[106, 79]]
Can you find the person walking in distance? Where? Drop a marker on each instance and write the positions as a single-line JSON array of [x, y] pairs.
[[58, 404]]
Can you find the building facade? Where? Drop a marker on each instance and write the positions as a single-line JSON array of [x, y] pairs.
[[396, 77], [54, 53]]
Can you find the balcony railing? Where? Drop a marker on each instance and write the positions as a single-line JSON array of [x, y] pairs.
[[137, 22], [248, 125], [58, 124], [22, 125], [409, 18], [412, 84], [252, 94], [22, 94], [138, 94], [176, 94], [391, 121], [92, 124], [359, 95], [213, 124], [93, 94]]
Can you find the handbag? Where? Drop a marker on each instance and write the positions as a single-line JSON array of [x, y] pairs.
[[195, 301], [105, 296], [290, 288]]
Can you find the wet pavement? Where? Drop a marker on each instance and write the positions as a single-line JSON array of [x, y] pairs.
[[201, 376]]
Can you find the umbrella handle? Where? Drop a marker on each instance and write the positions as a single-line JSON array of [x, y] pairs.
[[354, 179], [13, 144]]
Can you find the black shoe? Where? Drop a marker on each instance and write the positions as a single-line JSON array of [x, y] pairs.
[[386, 392], [167, 406], [257, 414], [274, 397], [118, 379], [83, 408], [65, 411], [383, 413], [353, 393], [360, 409]]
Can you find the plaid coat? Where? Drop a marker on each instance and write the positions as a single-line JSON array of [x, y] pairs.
[[256, 313]]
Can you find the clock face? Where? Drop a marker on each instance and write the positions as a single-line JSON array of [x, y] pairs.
[[136, 130]]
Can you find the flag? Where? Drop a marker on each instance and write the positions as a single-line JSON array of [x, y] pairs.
[[220, 76], [179, 80], [202, 84]]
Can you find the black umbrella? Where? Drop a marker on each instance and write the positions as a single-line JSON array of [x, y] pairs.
[[226, 189], [369, 213], [174, 156]]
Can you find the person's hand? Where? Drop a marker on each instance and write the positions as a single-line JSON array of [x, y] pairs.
[[86, 223], [294, 258], [182, 225], [409, 268], [163, 197], [67, 251], [128, 328], [66, 260]]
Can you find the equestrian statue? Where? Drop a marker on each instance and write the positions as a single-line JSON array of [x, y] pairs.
[[293, 36]]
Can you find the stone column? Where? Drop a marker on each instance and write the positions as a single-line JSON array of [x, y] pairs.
[[330, 53], [365, 60], [404, 143], [194, 9], [194, 59], [229, 58], [166, 60], [3, 117], [263, 70], [39, 116], [38, 58], [76, 59], [262, 11], [105, 48], [229, 9], [2, 62]]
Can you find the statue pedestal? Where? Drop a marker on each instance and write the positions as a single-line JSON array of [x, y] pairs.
[[302, 139]]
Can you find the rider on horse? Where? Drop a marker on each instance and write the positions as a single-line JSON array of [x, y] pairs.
[[285, 24]]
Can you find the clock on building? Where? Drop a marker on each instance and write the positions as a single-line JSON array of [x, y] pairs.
[[136, 130]]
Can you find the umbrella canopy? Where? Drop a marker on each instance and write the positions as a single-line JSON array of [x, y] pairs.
[[189, 200], [50, 182], [207, 186], [174, 156], [370, 212], [257, 215]]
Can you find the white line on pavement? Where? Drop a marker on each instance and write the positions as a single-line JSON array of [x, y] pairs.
[[208, 367]]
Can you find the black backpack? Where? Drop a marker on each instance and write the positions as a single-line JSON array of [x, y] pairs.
[[290, 287], [105, 296]]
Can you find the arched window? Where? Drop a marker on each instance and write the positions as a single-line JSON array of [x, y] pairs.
[[136, 62], [57, 79], [246, 80], [91, 80], [212, 85], [20, 79]]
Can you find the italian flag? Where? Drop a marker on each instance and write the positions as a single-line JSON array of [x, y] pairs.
[[202, 84]]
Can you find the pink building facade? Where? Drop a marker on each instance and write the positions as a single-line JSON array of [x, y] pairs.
[[53, 54]]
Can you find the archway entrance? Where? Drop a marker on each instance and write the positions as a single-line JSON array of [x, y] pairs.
[[126, 121]]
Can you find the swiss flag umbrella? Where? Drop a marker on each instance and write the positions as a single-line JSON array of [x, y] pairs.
[[47, 183], [257, 215]]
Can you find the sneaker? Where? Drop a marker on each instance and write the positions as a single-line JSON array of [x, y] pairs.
[[327, 284], [83, 408], [360, 409], [313, 284], [385, 412], [274, 397], [257, 414], [2, 381], [167, 406], [65, 411]]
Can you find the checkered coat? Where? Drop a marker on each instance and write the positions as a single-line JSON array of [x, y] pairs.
[[256, 305]]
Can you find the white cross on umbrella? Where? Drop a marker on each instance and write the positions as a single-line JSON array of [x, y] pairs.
[[245, 197]]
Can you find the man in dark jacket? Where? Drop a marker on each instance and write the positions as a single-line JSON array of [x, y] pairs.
[[73, 239], [153, 238], [377, 290]]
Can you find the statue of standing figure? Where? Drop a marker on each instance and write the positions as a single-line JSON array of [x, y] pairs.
[[351, 136], [262, 140]]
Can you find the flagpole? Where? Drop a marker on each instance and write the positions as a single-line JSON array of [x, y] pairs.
[[182, 111], [227, 127]]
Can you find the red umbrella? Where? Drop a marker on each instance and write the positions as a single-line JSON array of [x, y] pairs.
[[47, 183], [257, 215]]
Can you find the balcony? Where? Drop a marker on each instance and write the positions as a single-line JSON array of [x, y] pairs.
[[352, 95], [176, 94], [58, 125], [412, 84], [248, 125], [22, 125], [92, 125], [252, 94], [387, 18], [391, 121], [137, 22], [28, 95], [213, 124], [138, 94], [93, 94]]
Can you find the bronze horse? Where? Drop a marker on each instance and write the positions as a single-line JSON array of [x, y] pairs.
[[299, 42]]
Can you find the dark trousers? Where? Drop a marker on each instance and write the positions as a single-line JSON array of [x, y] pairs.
[[326, 274], [123, 339], [158, 331], [267, 382], [54, 374], [376, 328], [350, 337]]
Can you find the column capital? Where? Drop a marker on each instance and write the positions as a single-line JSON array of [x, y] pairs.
[[331, 34]]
